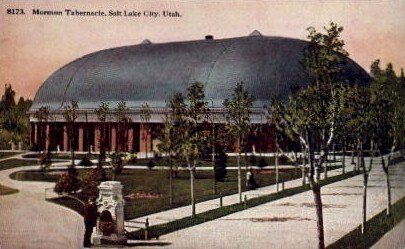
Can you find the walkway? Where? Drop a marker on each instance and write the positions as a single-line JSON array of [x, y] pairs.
[[28, 221], [290, 222], [178, 213]]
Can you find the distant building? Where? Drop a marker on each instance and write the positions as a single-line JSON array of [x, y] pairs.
[[149, 73]]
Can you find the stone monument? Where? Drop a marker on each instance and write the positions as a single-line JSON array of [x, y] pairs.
[[110, 205]]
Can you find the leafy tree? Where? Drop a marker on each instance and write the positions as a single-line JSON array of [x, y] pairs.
[[7, 100], [102, 112], [357, 114], [216, 141], [14, 120], [387, 94], [310, 114], [238, 108], [168, 146], [123, 122], [43, 115], [70, 115], [187, 120], [145, 117]]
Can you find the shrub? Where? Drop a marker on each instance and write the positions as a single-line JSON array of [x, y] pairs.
[[262, 163], [45, 160], [252, 160], [68, 183], [150, 164], [117, 163], [86, 160], [91, 182], [133, 160], [220, 165], [284, 159], [157, 157]]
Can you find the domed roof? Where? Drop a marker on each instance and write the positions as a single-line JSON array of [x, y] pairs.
[[150, 73]]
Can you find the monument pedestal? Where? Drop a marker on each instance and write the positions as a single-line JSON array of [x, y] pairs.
[[110, 205]]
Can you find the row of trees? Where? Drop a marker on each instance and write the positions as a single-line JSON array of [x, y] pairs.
[[333, 110], [14, 122]]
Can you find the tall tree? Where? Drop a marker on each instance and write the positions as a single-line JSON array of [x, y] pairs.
[[168, 146], [359, 123], [188, 123], [123, 122], [70, 115], [145, 117], [388, 114], [102, 112], [238, 108], [42, 115], [310, 114]]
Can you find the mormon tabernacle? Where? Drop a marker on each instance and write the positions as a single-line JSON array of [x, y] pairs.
[[149, 73]]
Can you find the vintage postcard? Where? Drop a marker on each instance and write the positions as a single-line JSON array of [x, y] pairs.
[[202, 124]]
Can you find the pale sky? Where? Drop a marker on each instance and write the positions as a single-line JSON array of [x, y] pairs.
[[33, 47]]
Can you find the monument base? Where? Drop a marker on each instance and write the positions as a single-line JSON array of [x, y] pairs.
[[113, 239]]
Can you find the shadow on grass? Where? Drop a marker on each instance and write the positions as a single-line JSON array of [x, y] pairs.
[[7, 190]]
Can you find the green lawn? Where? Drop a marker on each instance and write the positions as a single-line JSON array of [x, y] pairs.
[[7, 191], [13, 163], [62, 156], [7, 154], [36, 175], [231, 161], [163, 161], [157, 182]]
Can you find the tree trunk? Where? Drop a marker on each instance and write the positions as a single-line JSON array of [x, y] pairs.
[[239, 173], [303, 169], [365, 182], [316, 190], [352, 162], [192, 178], [171, 183], [358, 157], [388, 185], [72, 149], [388, 193], [214, 181], [276, 164], [344, 158], [325, 173]]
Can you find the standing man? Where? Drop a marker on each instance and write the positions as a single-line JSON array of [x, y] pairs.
[[90, 220]]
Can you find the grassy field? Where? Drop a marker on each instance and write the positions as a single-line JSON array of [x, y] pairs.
[[7, 154], [13, 163], [7, 191], [157, 181], [36, 175], [163, 161]]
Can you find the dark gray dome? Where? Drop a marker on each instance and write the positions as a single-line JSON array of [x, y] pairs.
[[150, 73]]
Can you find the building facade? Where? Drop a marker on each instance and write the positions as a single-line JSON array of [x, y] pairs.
[[148, 73]]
